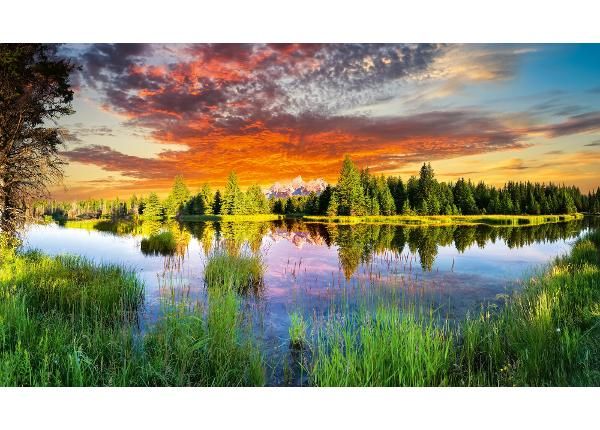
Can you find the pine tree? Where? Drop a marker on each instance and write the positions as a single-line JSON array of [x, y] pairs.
[[206, 200], [153, 208], [178, 197], [387, 206], [463, 197], [256, 201], [217, 203], [233, 198], [349, 191]]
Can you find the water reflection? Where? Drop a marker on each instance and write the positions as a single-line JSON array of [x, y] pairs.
[[357, 244]]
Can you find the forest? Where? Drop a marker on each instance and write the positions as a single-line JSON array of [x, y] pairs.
[[358, 193]]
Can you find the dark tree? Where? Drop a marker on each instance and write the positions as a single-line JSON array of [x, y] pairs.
[[34, 92]]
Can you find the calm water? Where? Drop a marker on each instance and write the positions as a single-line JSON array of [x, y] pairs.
[[312, 267]]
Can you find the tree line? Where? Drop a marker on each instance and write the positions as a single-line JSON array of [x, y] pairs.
[[357, 193]]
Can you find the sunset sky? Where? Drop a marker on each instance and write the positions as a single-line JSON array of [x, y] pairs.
[[147, 112]]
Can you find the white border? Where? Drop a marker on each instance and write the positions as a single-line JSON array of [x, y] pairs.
[[300, 21]]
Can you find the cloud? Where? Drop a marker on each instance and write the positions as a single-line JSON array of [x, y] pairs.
[[312, 146], [581, 123], [279, 110], [111, 160], [593, 143]]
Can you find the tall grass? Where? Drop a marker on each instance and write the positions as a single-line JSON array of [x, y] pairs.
[[546, 335], [63, 323], [190, 348], [73, 286], [387, 348], [297, 330], [241, 273]]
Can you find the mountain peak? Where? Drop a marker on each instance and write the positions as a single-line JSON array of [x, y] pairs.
[[296, 187]]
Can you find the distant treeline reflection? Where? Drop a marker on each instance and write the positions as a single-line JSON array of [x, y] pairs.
[[356, 244]]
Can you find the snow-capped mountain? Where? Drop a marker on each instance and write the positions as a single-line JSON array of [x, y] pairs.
[[296, 187]]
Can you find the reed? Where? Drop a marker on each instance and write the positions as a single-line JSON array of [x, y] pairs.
[[545, 335], [240, 273], [297, 330], [190, 347]]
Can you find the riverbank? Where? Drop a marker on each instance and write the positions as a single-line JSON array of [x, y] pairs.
[[65, 321], [546, 335], [402, 220], [68, 321], [491, 220]]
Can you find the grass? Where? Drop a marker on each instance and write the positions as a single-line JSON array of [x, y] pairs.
[[188, 348], [546, 335], [240, 273], [239, 218], [162, 243], [387, 348], [297, 330], [492, 220], [72, 286], [63, 323]]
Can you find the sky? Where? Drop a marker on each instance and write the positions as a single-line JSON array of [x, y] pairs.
[[147, 112]]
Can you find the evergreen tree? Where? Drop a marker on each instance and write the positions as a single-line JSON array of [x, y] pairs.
[[256, 201], [206, 200], [278, 207], [464, 199], [349, 191], [233, 198], [289, 207], [217, 203], [324, 199], [398, 191], [387, 206], [178, 197], [153, 208]]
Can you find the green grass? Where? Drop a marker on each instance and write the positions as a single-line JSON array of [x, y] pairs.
[[546, 335], [188, 348], [492, 220], [72, 286], [297, 330], [387, 348], [240, 273], [162, 243], [63, 323], [239, 218]]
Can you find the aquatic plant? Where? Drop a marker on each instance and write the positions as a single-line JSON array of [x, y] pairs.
[[241, 273], [190, 348], [385, 348], [297, 330], [73, 286], [545, 335], [61, 324]]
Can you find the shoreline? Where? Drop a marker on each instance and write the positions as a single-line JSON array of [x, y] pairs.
[[401, 220]]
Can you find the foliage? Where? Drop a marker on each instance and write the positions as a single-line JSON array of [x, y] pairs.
[[34, 92], [240, 273], [545, 335]]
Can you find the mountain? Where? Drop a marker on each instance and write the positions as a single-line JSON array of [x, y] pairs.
[[296, 187]]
